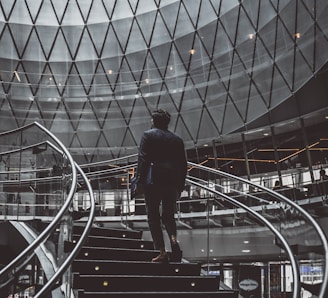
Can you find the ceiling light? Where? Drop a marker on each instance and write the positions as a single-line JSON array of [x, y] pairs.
[[251, 36], [147, 81], [246, 241], [17, 76], [110, 71], [192, 52], [266, 134], [298, 35]]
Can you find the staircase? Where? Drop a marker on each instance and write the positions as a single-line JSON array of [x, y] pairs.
[[116, 263]]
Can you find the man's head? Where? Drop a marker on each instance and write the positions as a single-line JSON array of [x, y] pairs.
[[161, 119]]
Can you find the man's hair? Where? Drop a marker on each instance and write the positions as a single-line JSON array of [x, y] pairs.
[[161, 118]]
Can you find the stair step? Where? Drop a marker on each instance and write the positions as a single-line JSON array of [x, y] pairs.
[[132, 283], [135, 268], [101, 241], [118, 254], [218, 294], [109, 232]]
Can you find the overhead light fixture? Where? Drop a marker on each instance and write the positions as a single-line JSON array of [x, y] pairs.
[[192, 52], [110, 71], [17, 76], [298, 35], [251, 36]]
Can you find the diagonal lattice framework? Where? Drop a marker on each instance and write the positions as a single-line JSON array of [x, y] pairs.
[[92, 71]]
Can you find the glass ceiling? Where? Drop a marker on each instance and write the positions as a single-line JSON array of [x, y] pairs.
[[92, 71]]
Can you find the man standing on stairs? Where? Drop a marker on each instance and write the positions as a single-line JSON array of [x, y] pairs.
[[162, 169]]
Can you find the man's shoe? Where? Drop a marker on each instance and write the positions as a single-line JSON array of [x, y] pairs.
[[161, 258], [176, 254]]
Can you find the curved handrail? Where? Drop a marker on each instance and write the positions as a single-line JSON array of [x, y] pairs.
[[307, 216], [68, 261], [45, 233], [296, 284], [49, 229]]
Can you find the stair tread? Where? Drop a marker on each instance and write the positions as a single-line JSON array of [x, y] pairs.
[[170, 294], [135, 267]]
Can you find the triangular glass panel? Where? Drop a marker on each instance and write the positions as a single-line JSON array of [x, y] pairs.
[[7, 115], [127, 83], [7, 72], [49, 108], [251, 9], [160, 55], [109, 6], [170, 15], [60, 72], [229, 23], [302, 71], [85, 7], [123, 30], [21, 108], [100, 108], [267, 18], [321, 47], [60, 52], [33, 46], [34, 8], [73, 38], [74, 82], [207, 127], [216, 107], [100, 80], [60, 8], [161, 37], [20, 35], [227, 6], [87, 71], [47, 37], [129, 141], [33, 114], [72, 16], [287, 16], [151, 79], [168, 100], [7, 7], [136, 42], [232, 119], [256, 106], [98, 34], [280, 89], [146, 25], [182, 129], [21, 13], [193, 10], [75, 109]]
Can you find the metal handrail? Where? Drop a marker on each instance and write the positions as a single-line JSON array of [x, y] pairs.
[[307, 216], [296, 284], [50, 228]]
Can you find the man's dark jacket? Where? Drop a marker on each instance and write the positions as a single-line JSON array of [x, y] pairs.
[[164, 150]]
